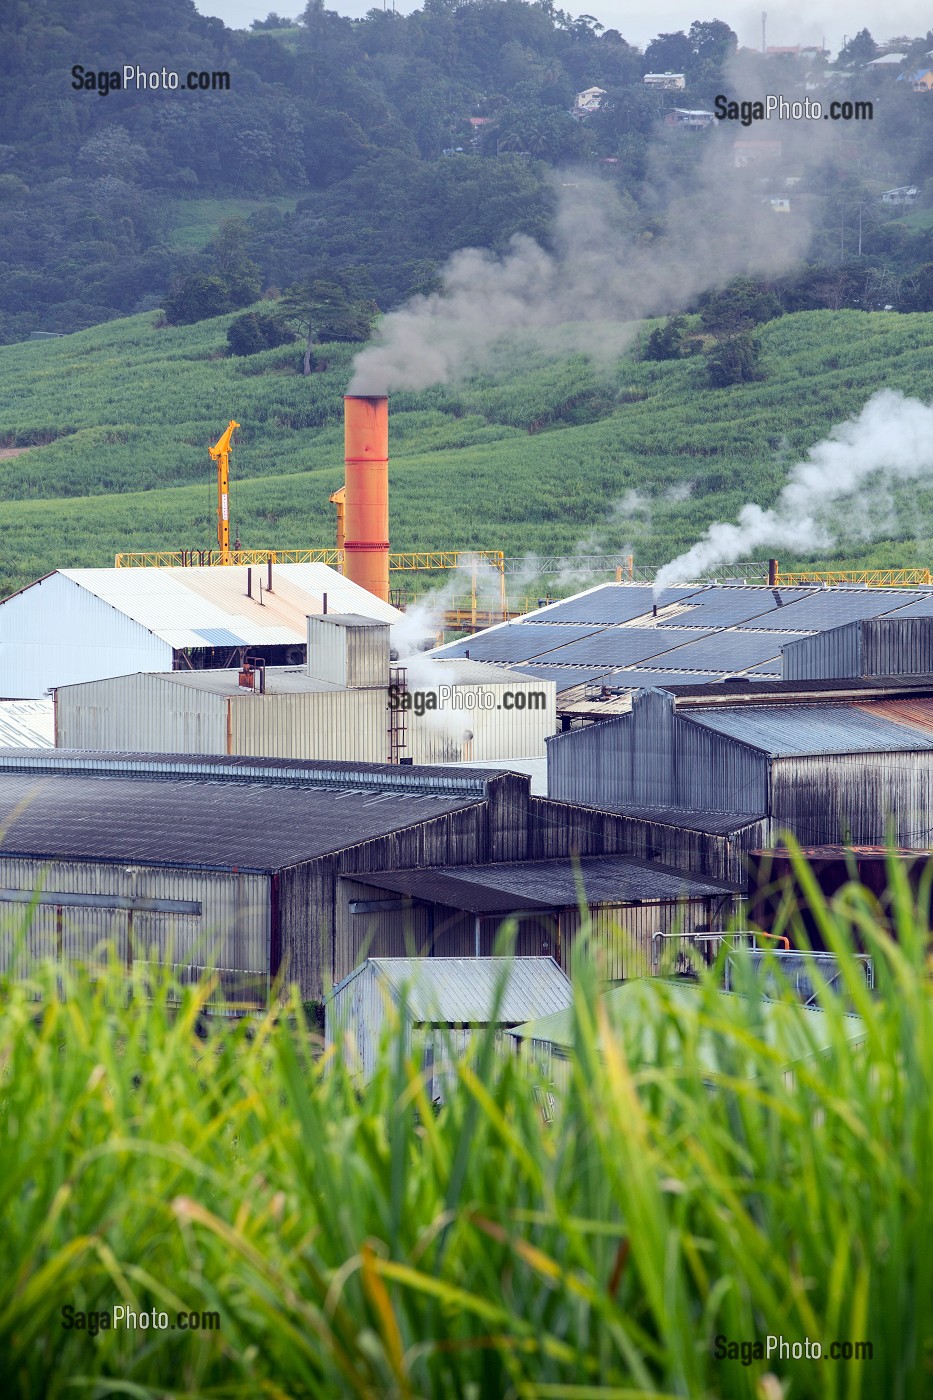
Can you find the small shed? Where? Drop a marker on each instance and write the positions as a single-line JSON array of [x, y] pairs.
[[442, 1003], [660, 1020]]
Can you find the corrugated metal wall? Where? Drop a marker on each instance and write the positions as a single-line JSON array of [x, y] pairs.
[[466, 730], [860, 798], [140, 714], [355, 1019], [878, 646], [621, 936], [897, 647], [231, 929], [348, 725], [825, 656], [656, 758], [57, 633]]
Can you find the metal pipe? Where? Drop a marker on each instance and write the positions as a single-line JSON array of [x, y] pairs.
[[366, 508], [772, 573]]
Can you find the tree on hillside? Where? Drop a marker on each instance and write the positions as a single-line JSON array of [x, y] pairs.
[[669, 53], [861, 48], [323, 309], [666, 342], [736, 359], [738, 307], [249, 334]]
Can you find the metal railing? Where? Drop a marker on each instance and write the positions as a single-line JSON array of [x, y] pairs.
[[701, 947], [432, 561], [873, 578]]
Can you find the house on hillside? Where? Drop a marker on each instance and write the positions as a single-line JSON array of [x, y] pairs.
[[665, 82], [697, 120], [588, 101]]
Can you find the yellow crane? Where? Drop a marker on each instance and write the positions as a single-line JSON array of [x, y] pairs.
[[220, 453]]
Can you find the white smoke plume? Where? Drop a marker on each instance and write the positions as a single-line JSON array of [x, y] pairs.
[[829, 496], [599, 277]]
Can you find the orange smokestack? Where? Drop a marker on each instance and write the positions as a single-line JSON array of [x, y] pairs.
[[366, 518]]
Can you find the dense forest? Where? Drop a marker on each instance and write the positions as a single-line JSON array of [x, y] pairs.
[[355, 138]]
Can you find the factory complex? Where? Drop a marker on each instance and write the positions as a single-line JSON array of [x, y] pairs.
[[256, 764]]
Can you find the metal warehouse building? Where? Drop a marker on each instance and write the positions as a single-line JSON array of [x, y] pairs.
[[252, 865], [441, 1003], [900, 645], [602, 643], [84, 624], [348, 703], [830, 761]]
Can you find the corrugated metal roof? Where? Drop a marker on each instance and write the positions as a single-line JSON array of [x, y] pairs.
[[245, 768], [913, 714], [713, 823], [734, 627], [509, 886], [194, 822], [639, 1011], [785, 730], [454, 991], [27, 724], [185, 606]]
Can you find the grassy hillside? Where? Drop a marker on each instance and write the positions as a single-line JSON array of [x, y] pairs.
[[544, 457]]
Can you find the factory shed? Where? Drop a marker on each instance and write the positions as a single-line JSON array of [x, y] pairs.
[[441, 1005], [354, 707], [624, 903], [606, 642], [829, 760], [84, 624], [261, 865], [879, 646], [663, 1023]]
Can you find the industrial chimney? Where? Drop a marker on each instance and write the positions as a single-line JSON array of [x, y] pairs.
[[366, 509]]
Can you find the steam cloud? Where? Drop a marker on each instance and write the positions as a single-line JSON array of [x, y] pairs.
[[891, 440], [600, 272]]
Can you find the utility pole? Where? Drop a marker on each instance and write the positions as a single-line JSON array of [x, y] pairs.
[[764, 21]]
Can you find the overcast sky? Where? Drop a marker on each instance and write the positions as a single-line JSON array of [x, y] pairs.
[[802, 23]]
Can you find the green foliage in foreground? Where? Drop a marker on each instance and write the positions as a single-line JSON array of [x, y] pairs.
[[355, 1243], [551, 455]]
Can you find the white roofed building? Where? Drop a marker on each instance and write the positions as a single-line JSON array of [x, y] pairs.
[[87, 624]]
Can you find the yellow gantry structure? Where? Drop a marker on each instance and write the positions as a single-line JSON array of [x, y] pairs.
[[874, 578], [220, 453]]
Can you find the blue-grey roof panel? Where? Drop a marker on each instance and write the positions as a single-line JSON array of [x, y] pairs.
[[724, 652], [516, 641], [785, 730], [727, 605], [920, 607], [614, 602], [220, 637], [564, 677], [621, 646], [831, 607], [643, 677]]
